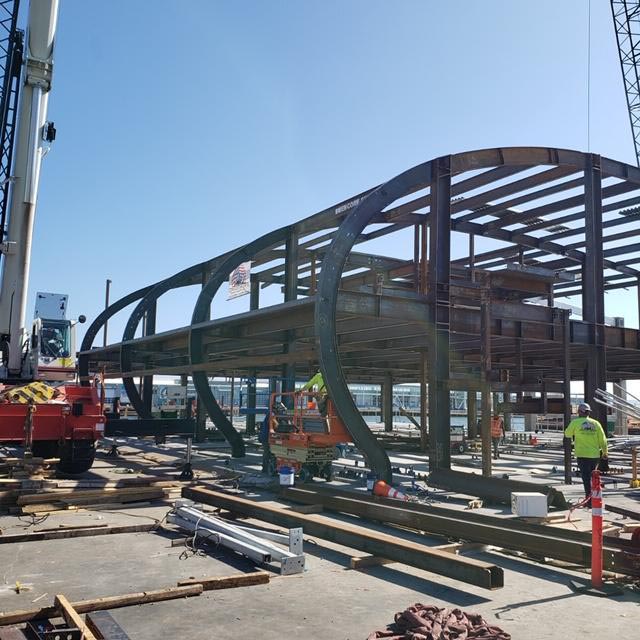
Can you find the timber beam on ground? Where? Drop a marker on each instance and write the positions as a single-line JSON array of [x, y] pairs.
[[482, 574]]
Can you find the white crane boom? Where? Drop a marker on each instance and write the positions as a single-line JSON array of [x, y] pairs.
[[31, 136]]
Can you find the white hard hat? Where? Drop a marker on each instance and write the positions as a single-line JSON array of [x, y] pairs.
[[584, 406]]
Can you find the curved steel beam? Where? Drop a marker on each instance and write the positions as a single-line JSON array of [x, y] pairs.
[[98, 323], [326, 303], [201, 312], [151, 297]]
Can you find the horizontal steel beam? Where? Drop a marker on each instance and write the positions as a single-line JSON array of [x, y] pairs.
[[476, 572], [535, 540]]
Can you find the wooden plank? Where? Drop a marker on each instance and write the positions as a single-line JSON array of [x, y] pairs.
[[228, 582], [72, 618], [76, 533], [68, 527], [307, 508], [101, 604], [368, 561], [116, 494], [104, 626]]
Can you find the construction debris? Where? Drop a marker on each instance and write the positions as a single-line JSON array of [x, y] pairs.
[[72, 618], [228, 582], [75, 532], [430, 622], [99, 604]]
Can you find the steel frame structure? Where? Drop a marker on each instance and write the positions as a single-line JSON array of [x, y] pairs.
[[553, 223]]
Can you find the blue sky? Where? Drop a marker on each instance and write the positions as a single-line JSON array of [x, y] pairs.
[[187, 128]]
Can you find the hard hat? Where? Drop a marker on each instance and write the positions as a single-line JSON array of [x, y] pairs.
[[583, 406]]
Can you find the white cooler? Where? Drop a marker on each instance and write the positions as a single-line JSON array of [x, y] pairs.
[[529, 504]]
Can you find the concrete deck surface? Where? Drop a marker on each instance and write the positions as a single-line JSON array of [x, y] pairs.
[[328, 602]]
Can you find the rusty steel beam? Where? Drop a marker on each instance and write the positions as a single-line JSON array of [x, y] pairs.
[[476, 572], [535, 540]]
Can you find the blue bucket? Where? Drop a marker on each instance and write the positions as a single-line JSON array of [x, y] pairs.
[[287, 476]]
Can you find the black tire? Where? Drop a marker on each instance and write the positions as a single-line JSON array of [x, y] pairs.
[[328, 472], [461, 448], [45, 449], [305, 475], [272, 466], [77, 456]]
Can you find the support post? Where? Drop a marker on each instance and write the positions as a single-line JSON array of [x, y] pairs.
[[290, 293], [439, 286], [472, 256], [424, 427], [149, 329], [566, 388], [472, 414], [387, 402], [416, 257], [201, 411], [485, 360], [593, 287], [254, 303]]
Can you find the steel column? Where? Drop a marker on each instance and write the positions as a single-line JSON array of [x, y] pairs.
[[254, 303], [485, 357], [290, 293], [593, 286], [424, 421], [387, 402], [566, 384], [472, 414], [149, 329], [439, 283]]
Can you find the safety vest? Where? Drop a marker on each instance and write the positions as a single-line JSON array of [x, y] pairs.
[[589, 437], [496, 427]]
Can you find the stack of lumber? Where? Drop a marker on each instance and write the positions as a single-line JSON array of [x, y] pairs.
[[44, 496], [27, 467]]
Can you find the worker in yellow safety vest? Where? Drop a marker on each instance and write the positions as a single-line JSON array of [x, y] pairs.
[[497, 433], [317, 382], [589, 442]]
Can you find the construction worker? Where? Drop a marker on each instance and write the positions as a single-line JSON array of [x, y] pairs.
[[497, 433], [589, 442], [317, 381]]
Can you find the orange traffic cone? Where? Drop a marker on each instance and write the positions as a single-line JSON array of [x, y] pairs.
[[382, 489]]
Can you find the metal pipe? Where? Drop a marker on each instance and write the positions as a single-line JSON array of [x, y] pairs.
[[239, 546]]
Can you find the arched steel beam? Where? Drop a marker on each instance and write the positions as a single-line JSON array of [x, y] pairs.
[[98, 323], [178, 280], [201, 313], [173, 282], [326, 303], [353, 225]]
